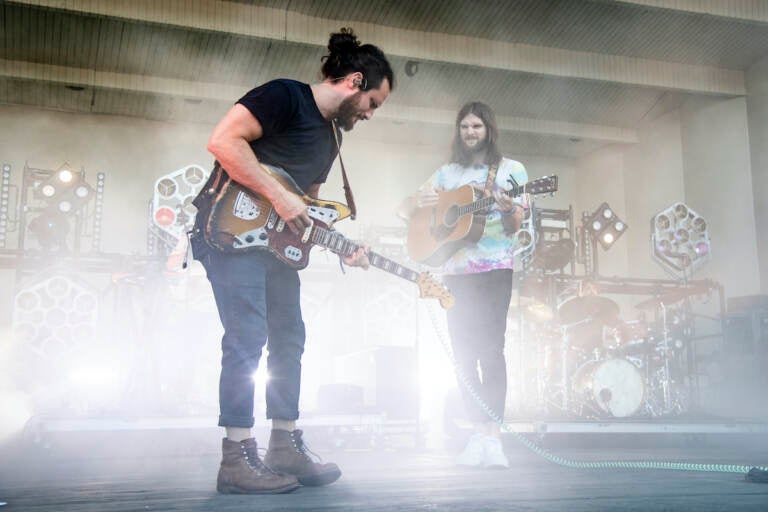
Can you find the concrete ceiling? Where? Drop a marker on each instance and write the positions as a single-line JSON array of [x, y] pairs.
[[565, 76]]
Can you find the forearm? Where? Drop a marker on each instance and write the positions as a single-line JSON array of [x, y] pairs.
[[242, 165]]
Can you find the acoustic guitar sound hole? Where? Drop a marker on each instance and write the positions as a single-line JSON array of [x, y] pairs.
[[451, 215]]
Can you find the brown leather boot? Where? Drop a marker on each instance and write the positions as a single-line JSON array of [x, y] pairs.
[[243, 472], [288, 454]]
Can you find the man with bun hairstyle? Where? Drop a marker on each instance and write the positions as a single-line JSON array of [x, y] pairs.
[[291, 125]]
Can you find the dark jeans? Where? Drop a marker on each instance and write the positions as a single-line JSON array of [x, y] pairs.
[[477, 324], [258, 301]]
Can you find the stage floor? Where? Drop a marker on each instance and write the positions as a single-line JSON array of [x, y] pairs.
[[175, 470]]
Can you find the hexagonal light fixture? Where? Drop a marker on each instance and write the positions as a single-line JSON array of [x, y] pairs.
[[680, 240]]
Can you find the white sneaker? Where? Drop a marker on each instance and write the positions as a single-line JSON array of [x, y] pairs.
[[494, 453], [474, 453]]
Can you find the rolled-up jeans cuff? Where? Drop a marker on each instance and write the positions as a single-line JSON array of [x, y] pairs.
[[236, 421]]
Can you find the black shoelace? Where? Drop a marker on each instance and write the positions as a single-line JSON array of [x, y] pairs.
[[253, 459], [303, 449]]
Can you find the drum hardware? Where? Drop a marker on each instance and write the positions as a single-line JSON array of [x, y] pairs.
[[591, 364], [591, 307], [671, 297], [572, 355], [553, 255]]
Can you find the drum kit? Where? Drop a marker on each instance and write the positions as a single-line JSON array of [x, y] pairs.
[[590, 364]]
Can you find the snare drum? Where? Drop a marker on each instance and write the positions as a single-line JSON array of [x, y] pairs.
[[614, 387]]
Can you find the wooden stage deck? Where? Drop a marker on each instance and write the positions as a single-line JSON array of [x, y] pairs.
[[175, 470]]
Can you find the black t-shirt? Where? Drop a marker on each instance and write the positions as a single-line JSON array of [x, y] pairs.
[[296, 136]]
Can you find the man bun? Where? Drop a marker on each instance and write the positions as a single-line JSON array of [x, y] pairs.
[[344, 41], [347, 55]]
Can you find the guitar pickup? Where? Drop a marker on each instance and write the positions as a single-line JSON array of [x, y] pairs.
[[293, 253], [307, 232], [272, 219]]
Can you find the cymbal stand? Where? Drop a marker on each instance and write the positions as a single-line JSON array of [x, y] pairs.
[[665, 383], [564, 343]]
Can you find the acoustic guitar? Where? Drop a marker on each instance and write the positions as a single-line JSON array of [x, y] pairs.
[[437, 231]]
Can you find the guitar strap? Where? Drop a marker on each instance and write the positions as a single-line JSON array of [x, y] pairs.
[[347, 189], [491, 179]]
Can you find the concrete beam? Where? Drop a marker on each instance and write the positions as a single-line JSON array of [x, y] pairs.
[[271, 23], [220, 92], [608, 134], [742, 10]]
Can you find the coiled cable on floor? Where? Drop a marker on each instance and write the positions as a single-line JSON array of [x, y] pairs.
[[562, 461]]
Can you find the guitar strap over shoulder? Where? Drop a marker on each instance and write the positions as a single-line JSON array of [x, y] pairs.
[[491, 179], [347, 189]]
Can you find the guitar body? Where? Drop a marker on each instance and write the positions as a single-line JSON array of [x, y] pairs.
[[458, 219], [436, 232], [243, 221]]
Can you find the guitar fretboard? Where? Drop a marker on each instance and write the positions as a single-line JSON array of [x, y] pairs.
[[541, 185], [339, 244]]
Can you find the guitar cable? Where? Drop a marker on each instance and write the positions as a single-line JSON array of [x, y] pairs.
[[752, 474]]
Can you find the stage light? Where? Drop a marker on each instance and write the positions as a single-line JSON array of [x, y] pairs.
[[97, 212], [5, 194], [605, 226], [64, 175], [57, 183], [64, 206], [61, 193], [171, 208], [82, 191], [74, 198], [48, 190], [55, 314], [680, 240]]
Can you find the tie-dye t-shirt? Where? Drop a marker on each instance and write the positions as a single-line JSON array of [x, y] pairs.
[[495, 249]]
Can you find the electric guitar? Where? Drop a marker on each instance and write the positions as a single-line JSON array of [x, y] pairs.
[[437, 231], [241, 220]]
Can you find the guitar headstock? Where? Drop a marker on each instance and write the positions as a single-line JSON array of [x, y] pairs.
[[429, 287], [544, 185]]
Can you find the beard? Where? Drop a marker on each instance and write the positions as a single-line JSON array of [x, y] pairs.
[[347, 113], [479, 147]]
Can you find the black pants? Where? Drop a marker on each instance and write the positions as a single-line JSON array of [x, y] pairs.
[[477, 324]]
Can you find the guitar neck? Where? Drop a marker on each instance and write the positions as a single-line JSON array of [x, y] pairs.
[[488, 201], [339, 244]]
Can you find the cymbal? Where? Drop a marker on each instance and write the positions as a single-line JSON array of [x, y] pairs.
[[669, 298], [540, 312], [588, 307], [533, 309]]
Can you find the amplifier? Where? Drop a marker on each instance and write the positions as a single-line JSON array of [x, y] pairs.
[[747, 302]]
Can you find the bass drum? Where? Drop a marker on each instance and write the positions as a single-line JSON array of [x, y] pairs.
[[612, 387]]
